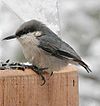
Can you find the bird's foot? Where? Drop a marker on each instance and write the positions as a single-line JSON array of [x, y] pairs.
[[50, 75], [40, 72]]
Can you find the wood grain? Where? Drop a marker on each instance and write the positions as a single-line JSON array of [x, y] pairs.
[[22, 88]]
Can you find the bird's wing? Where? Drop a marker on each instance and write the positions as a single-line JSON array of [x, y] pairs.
[[55, 46]]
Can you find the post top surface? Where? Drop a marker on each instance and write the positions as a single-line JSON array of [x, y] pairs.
[[28, 72]]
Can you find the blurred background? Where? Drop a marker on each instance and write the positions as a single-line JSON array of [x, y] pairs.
[[76, 21]]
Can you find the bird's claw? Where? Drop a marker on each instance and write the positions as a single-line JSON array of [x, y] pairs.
[[50, 75], [39, 71], [44, 81]]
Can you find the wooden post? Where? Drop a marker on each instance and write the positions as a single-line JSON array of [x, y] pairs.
[[23, 88]]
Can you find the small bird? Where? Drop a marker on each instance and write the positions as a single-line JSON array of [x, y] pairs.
[[43, 48]]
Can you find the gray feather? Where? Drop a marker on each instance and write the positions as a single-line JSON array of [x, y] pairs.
[[52, 43]]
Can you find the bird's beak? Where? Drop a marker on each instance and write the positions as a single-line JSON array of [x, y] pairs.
[[9, 37]]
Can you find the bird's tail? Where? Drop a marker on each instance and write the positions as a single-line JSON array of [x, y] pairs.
[[83, 64]]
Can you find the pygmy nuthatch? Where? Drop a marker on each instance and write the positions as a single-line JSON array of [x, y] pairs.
[[43, 48]]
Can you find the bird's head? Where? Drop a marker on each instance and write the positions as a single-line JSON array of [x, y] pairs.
[[31, 28]]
